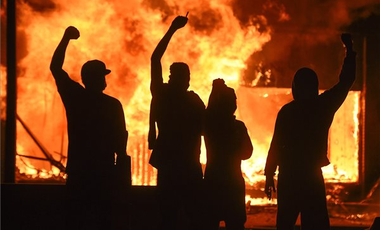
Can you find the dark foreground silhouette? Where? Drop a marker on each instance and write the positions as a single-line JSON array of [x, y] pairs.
[[299, 146], [178, 114], [227, 143], [96, 128]]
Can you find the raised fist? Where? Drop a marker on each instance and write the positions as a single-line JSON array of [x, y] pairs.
[[347, 40], [71, 33], [179, 22]]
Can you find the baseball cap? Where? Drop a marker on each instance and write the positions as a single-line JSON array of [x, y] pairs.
[[94, 67]]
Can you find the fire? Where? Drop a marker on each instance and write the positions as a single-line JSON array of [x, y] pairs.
[[3, 92], [260, 201], [344, 142], [214, 44], [124, 36], [261, 108]]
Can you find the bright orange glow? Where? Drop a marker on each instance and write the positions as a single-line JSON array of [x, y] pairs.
[[3, 92], [124, 36], [259, 108], [344, 143]]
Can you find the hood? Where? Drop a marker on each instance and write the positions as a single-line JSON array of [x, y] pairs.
[[305, 84]]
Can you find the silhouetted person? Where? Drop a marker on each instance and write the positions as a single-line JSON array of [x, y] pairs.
[[96, 132], [299, 146], [178, 114], [227, 143]]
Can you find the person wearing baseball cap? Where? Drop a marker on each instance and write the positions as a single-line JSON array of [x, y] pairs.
[[96, 133], [93, 75]]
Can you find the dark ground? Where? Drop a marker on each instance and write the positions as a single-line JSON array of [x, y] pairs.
[[36, 206]]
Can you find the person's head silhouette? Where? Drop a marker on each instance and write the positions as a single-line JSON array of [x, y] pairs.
[[305, 84], [179, 78], [222, 99], [93, 75]]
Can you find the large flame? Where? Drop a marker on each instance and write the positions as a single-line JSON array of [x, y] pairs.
[[123, 34]]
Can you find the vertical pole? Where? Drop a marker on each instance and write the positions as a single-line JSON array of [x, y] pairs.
[[10, 125], [362, 159], [362, 168]]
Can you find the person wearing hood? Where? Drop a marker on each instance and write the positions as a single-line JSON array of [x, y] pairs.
[[299, 146]]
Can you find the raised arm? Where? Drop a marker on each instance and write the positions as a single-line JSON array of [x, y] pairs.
[[335, 96], [347, 74], [156, 68], [59, 54]]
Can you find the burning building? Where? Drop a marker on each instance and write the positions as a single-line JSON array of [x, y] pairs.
[[254, 46]]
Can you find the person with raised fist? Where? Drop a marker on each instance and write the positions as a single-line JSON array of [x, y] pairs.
[[299, 146], [97, 133], [178, 114]]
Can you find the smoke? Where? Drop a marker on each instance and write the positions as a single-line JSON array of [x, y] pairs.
[[303, 34], [297, 30], [206, 20], [41, 6]]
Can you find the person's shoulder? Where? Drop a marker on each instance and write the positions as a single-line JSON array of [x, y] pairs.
[[287, 108], [195, 97], [193, 94], [68, 83], [288, 105], [112, 99], [69, 87]]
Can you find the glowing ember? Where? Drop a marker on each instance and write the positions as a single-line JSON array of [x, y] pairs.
[[259, 201]]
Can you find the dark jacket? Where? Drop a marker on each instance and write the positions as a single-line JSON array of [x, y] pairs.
[[301, 132]]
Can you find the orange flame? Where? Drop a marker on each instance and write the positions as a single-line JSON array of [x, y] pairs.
[[124, 36], [3, 91]]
